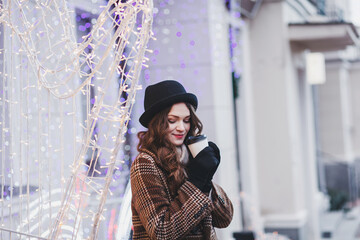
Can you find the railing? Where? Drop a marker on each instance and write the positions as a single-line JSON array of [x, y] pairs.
[[335, 13], [331, 10]]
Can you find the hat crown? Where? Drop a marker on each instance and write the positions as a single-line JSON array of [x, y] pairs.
[[161, 91], [162, 95]]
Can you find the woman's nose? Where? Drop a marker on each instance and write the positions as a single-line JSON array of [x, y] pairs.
[[180, 126]]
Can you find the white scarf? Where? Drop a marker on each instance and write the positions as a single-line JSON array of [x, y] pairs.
[[183, 154]]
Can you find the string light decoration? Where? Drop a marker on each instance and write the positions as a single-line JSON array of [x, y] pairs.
[[64, 111]]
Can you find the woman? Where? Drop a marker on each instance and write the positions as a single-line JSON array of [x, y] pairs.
[[173, 196]]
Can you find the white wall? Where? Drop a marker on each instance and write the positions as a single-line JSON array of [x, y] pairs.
[[271, 83], [283, 122], [335, 113], [354, 76]]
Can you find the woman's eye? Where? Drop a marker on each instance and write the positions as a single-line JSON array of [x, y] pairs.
[[171, 121], [186, 120]]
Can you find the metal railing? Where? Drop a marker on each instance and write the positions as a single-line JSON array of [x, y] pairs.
[[331, 10]]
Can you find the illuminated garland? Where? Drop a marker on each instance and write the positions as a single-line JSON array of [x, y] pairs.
[[47, 77]]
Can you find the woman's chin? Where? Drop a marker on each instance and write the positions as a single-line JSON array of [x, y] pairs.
[[177, 142]]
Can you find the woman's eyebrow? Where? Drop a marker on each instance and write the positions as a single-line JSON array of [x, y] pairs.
[[177, 116]]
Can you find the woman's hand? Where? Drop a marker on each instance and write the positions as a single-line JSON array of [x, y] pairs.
[[202, 168]]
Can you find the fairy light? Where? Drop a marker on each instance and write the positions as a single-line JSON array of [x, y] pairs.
[[41, 123]]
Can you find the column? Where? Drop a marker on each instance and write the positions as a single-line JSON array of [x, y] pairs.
[[279, 153]]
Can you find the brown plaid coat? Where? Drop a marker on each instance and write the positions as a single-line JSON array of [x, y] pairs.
[[190, 215]]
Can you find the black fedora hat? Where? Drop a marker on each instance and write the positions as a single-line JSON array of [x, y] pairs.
[[162, 95]]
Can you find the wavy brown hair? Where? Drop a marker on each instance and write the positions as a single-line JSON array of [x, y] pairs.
[[155, 140]]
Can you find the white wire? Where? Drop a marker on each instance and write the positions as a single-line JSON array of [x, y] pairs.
[[60, 81]]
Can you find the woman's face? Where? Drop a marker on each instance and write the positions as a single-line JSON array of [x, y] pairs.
[[179, 123]]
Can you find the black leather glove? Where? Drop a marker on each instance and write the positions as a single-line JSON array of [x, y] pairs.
[[202, 168]]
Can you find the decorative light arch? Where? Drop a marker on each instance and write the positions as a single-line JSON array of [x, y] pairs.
[[49, 191]]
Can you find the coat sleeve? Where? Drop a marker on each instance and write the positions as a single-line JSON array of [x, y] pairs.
[[162, 218], [222, 213]]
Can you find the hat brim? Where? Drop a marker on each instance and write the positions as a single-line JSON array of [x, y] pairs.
[[146, 117]]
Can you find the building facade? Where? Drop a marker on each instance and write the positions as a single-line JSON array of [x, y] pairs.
[[246, 61]]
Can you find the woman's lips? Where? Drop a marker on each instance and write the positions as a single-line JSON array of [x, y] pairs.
[[179, 136]]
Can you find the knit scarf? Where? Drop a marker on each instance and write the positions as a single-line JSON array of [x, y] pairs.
[[183, 154]]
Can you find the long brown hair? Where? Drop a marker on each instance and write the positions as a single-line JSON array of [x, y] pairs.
[[155, 140]]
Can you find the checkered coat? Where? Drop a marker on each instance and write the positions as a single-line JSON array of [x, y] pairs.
[[189, 215]]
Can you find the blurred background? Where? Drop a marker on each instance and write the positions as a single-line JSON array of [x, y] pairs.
[[278, 84]]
